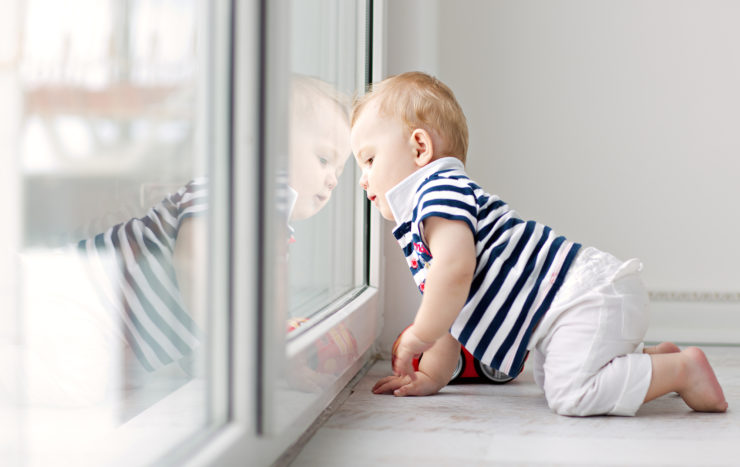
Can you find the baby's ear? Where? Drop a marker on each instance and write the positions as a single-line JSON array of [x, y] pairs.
[[422, 143]]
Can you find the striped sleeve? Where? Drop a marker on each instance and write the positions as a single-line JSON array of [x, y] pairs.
[[449, 198], [132, 266]]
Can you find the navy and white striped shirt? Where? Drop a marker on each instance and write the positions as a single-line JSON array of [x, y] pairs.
[[520, 265], [132, 267]]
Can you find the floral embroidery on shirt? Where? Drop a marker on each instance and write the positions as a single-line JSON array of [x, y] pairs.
[[418, 246]]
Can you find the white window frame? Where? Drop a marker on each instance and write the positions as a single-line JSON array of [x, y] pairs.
[[244, 438], [239, 433]]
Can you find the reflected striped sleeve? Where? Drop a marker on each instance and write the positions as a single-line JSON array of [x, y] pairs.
[[131, 264]]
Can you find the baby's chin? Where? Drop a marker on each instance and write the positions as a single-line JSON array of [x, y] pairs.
[[386, 214], [308, 208]]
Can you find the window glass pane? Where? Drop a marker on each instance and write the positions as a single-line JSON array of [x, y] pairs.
[[111, 177], [324, 75], [324, 251]]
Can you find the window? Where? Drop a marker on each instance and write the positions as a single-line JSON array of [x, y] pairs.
[[188, 253], [111, 165], [326, 267], [324, 77]]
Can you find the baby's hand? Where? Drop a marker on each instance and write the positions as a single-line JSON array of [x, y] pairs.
[[409, 346], [421, 385]]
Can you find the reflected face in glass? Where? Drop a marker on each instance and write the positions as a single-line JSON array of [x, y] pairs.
[[319, 149]]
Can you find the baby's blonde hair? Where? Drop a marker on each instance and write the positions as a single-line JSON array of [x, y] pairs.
[[309, 93], [421, 101]]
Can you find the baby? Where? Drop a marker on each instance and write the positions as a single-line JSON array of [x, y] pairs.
[[501, 286]]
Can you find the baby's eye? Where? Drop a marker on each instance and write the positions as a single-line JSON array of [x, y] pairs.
[[322, 160], [369, 160]]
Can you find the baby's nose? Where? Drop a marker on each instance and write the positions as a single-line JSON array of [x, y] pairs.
[[363, 181], [331, 180]]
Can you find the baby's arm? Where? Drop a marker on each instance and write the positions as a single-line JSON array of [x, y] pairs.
[[188, 258], [447, 286], [435, 371]]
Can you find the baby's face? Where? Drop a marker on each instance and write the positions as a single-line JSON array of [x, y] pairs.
[[385, 152], [319, 148]]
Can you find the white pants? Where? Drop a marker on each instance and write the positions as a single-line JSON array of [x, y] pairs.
[[587, 351]]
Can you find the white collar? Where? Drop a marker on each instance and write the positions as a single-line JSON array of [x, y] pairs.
[[400, 197], [291, 196]]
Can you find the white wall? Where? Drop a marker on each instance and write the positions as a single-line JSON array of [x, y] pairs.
[[614, 122]]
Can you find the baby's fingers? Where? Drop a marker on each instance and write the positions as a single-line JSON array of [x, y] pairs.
[[406, 390], [389, 384], [403, 366], [412, 389], [382, 382]]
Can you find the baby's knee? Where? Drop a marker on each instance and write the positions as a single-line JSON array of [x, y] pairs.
[[585, 399], [573, 403]]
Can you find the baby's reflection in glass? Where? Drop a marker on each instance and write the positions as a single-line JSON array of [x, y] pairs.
[[155, 266], [319, 149], [319, 143]]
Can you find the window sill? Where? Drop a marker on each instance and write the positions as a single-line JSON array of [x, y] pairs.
[[294, 410]]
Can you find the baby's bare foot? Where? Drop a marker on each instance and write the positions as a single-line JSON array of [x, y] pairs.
[[663, 347], [702, 391]]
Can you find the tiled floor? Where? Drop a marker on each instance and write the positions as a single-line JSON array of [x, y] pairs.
[[481, 425]]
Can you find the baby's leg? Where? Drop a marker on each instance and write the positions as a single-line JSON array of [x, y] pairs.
[[690, 375], [538, 371], [663, 347], [592, 363], [617, 388], [584, 374]]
